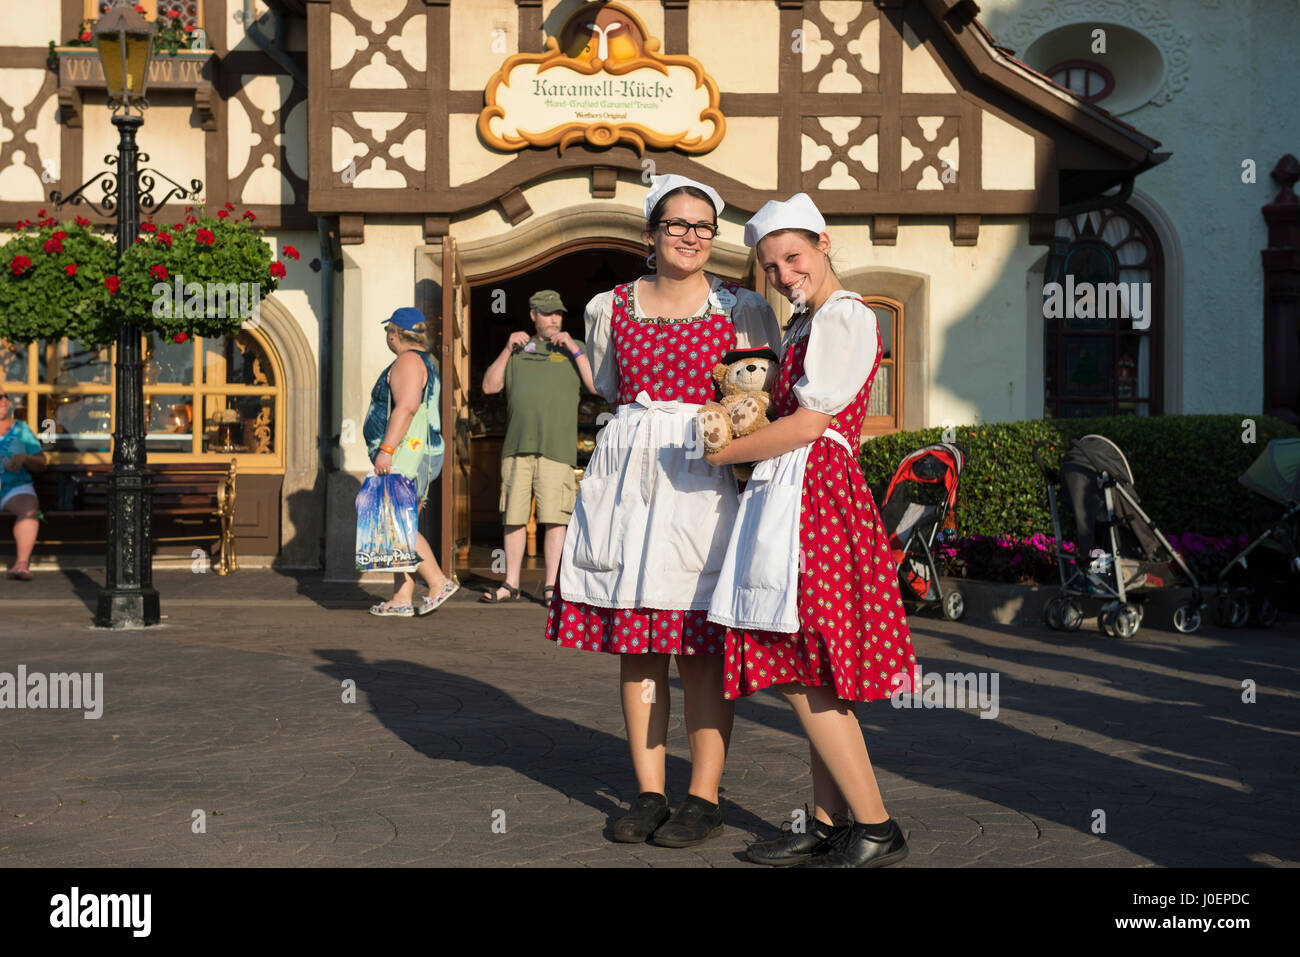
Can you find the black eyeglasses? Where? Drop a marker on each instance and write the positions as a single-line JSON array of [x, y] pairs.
[[679, 227]]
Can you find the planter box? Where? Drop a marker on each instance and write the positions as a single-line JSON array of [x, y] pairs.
[[80, 69]]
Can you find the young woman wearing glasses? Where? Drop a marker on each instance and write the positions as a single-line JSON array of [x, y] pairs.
[[643, 551]]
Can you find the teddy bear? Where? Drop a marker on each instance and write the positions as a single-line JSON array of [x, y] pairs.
[[745, 378]]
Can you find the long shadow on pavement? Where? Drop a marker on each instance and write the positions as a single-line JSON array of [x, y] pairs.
[[447, 716]]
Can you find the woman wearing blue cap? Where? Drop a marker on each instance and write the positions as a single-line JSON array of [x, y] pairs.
[[404, 409], [650, 527]]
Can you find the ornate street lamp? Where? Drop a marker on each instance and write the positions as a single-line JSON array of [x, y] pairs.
[[128, 598]]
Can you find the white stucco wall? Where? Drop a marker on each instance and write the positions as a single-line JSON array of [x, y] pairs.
[[1238, 103]]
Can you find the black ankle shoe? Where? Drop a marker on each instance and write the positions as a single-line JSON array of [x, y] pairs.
[[860, 849], [794, 848], [649, 810], [694, 822]]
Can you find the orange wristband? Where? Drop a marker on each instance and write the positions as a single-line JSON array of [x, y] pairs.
[[384, 448]]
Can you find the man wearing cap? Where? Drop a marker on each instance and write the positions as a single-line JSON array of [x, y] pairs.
[[541, 374]]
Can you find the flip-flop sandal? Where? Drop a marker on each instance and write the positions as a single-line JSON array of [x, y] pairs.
[[19, 572], [490, 598], [390, 609], [547, 592]]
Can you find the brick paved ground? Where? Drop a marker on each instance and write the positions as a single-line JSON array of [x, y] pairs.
[[233, 706]]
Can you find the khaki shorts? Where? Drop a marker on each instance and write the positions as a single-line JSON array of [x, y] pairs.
[[553, 482]]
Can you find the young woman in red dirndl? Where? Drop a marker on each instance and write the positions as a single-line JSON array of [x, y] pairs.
[[842, 635]]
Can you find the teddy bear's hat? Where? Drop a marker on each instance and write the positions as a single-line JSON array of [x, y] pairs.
[[739, 355]]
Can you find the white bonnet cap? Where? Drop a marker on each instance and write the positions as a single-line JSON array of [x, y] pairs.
[[797, 212], [659, 185]]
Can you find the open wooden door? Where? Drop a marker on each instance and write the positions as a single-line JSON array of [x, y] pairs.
[[453, 547]]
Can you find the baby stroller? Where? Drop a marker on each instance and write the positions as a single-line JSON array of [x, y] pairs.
[[1276, 476], [1098, 482], [920, 498]]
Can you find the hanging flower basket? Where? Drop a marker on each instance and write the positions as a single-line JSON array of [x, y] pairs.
[[206, 276], [54, 282]]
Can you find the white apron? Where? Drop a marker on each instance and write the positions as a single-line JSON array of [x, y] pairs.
[[758, 586], [652, 517]]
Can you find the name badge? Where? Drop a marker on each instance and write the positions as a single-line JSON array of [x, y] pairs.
[[725, 298]]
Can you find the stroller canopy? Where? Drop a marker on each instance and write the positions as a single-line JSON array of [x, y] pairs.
[[937, 465], [1099, 454], [1276, 473]]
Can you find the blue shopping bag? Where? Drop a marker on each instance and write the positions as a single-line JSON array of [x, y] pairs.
[[387, 524]]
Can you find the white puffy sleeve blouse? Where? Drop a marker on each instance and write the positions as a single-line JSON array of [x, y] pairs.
[[841, 351]]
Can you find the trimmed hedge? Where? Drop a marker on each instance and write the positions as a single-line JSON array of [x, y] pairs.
[[1185, 470]]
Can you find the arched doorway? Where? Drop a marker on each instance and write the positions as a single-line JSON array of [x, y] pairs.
[[577, 270]]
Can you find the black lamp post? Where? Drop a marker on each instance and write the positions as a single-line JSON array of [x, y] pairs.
[[128, 598]]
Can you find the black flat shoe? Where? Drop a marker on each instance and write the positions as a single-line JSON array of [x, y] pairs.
[[860, 849], [794, 848], [649, 810], [694, 822]]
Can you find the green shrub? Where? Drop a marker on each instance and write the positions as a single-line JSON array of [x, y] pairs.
[[1185, 469]]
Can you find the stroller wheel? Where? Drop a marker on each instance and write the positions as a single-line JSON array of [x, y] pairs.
[[1187, 618], [1126, 620], [1052, 612], [1264, 613], [1231, 611], [953, 605], [1071, 615], [1106, 620]]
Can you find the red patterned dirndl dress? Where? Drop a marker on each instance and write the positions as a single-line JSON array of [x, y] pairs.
[[853, 632], [670, 361]]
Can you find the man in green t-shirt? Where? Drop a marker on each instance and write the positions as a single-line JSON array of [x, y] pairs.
[[541, 374]]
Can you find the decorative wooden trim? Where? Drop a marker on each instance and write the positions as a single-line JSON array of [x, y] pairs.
[[604, 179], [965, 230], [530, 25], [677, 30], [515, 206], [352, 229], [1042, 227], [70, 106], [435, 227], [884, 230]]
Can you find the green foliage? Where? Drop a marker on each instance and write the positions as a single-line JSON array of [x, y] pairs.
[[220, 250], [39, 299], [1185, 469]]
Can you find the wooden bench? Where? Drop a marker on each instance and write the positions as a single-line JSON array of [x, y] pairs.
[[187, 492]]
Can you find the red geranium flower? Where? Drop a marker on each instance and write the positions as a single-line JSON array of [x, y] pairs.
[[175, 15], [112, 282], [205, 237], [180, 337], [291, 252], [85, 36], [46, 222], [148, 228], [40, 212], [248, 214], [230, 205], [188, 28], [53, 246], [165, 239], [70, 269], [60, 235], [83, 222], [158, 272], [20, 265], [22, 223], [222, 214], [178, 228], [190, 219], [277, 270], [137, 8]]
